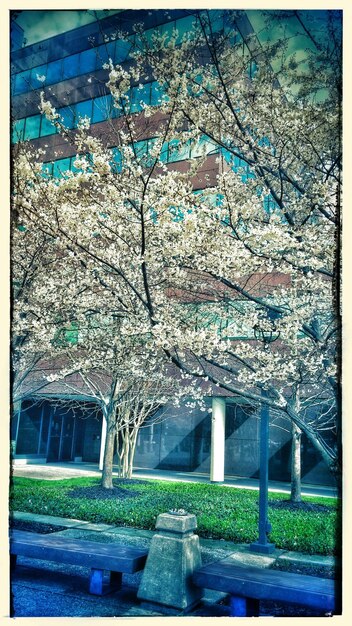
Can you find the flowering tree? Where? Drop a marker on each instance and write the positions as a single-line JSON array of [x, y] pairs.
[[123, 378], [38, 315], [197, 274], [86, 338], [275, 124]]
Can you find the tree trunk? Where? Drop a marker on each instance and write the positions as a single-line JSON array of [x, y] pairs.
[[127, 447], [106, 482], [296, 464], [328, 455], [132, 450]]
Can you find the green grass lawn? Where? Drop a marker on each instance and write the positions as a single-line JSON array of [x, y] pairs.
[[222, 512]]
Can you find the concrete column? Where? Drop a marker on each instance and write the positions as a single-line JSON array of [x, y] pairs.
[[217, 453], [102, 443]]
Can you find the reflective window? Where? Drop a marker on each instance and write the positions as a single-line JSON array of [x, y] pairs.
[[47, 170], [101, 108], [143, 151], [60, 167], [47, 128], [122, 50], [117, 159], [168, 28], [139, 96], [105, 52], [141, 148], [32, 127], [44, 434], [38, 76], [164, 153], [73, 167], [156, 93], [205, 145], [184, 26], [22, 82], [177, 151], [83, 109], [18, 131], [71, 66], [88, 60], [150, 32], [68, 116], [54, 72], [29, 430], [217, 20]]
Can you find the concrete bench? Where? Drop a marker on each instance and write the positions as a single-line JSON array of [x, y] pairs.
[[99, 557], [248, 585]]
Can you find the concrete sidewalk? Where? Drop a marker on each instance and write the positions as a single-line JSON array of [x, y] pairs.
[[56, 471], [47, 589]]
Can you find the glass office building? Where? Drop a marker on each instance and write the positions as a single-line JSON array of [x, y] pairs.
[[69, 68]]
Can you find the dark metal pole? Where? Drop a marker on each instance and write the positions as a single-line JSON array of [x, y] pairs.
[[262, 545]]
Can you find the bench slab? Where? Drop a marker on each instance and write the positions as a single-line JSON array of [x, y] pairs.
[[248, 582], [98, 557]]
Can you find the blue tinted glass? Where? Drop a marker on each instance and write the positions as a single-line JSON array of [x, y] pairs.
[[144, 93], [134, 100], [110, 47], [168, 29], [39, 72], [150, 32], [71, 66], [151, 159], [47, 169], [17, 131], [88, 60], [121, 51], [245, 174], [47, 128], [113, 111], [237, 163], [164, 153], [253, 67], [101, 108], [84, 109], [178, 152], [141, 148], [217, 20], [183, 26], [22, 82], [32, 127], [72, 166], [60, 167], [117, 159], [232, 35], [105, 52], [140, 95], [156, 93], [68, 116], [204, 144], [54, 72]]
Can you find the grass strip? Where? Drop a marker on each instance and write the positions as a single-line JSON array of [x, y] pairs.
[[222, 512]]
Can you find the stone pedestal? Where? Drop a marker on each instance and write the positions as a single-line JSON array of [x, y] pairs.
[[173, 556]]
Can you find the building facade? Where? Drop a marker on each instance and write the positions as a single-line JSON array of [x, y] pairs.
[[68, 67], [218, 443]]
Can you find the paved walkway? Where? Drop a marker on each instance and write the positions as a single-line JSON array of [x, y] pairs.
[[55, 471], [47, 589]]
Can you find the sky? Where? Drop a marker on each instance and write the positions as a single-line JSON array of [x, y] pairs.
[[39, 25]]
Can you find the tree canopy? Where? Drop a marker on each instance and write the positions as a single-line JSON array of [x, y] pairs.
[[240, 242]]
